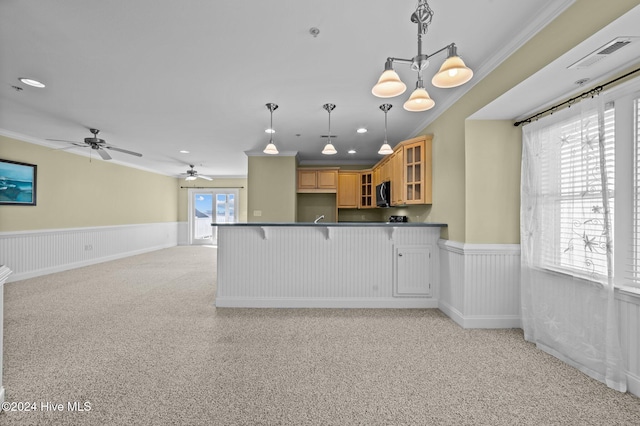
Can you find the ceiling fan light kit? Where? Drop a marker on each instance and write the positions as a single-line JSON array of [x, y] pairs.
[[192, 174], [452, 73]]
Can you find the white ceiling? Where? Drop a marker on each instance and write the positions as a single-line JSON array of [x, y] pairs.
[[158, 77]]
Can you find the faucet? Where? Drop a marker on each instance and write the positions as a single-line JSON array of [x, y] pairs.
[[319, 218]]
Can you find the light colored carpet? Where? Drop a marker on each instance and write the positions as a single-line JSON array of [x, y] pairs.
[[141, 340]]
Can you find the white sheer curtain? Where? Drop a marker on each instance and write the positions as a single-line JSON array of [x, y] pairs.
[[567, 202]]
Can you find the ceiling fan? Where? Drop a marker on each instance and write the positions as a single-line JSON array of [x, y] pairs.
[[98, 144], [193, 174]]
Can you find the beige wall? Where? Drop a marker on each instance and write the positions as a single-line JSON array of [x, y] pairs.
[[271, 185], [73, 192], [457, 163], [493, 151], [233, 183]]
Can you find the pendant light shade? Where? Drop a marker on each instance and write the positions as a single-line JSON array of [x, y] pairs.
[[389, 84], [385, 149], [453, 72], [271, 147], [329, 149], [419, 101]]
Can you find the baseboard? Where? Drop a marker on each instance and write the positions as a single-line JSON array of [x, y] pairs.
[[480, 321], [378, 303], [633, 384]]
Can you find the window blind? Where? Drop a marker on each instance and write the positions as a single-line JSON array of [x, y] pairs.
[[633, 266], [573, 232]]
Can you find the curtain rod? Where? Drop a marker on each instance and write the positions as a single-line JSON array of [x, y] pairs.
[[593, 92], [210, 187]]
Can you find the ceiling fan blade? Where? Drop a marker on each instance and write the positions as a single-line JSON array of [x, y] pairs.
[[62, 140], [104, 154], [124, 150], [64, 148], [204, 177]]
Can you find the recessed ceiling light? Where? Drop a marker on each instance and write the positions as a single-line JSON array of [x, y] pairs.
[[361, 130], [269, 131], [352, 151], [32, 82], [184, 152]]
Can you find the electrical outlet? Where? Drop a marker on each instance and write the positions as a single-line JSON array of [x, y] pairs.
[[257, 212], [88, 247]]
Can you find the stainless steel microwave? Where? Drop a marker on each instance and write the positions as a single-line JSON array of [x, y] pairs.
[[383, 194]]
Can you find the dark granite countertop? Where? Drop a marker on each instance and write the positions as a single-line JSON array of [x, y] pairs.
[[339, 224]]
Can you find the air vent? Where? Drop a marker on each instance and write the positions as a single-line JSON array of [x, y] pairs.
[[326, 136], [602, 52]]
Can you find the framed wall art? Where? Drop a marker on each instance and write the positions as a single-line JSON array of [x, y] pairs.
[[17, 183]]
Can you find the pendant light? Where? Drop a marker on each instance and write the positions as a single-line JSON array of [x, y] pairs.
[[271, 147], [385, 149], [452, 73], [329, 149]]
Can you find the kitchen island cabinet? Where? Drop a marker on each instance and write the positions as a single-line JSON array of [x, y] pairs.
[[328, 265]]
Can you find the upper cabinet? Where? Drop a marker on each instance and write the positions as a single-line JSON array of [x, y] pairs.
[[409, 170], [348, 189], [318, 180], [417, 171], [366, 187]]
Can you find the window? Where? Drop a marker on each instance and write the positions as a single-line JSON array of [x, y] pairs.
[[577, 221], [633, 272], [571, 170]]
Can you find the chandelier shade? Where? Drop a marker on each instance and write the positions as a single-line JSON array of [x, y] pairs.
[[453, 73], [419, 101], [389, 85]]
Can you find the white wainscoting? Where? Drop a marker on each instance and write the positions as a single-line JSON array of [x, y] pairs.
[[4, 275], [317, 266], [480, 284], [629, 333], [33, 253]]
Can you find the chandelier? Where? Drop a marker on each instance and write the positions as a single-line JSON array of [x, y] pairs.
[[452, 73]]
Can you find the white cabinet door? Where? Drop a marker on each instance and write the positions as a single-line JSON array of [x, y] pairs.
[[412, 271]]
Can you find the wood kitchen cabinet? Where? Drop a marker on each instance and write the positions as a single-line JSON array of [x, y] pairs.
[[417, 171], [348, 189], [409, 170], [318, 180], [367, 198]]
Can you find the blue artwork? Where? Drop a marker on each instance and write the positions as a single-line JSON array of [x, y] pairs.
[[17, 183]]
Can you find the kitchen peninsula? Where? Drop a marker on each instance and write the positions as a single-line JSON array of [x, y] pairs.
[[328, 265]]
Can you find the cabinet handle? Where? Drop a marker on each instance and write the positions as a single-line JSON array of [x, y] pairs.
[[400, 254]]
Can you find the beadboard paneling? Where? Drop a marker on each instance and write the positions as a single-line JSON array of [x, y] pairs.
[[629, 333], [34, 253], [4, 275], [480, 285], [314, 266]]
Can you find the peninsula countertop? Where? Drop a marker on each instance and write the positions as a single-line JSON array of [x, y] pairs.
[[339, 224]]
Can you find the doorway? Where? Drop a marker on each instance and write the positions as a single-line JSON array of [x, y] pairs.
[[208, 206]]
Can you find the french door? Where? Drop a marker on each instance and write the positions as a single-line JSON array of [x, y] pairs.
[[208, 206]]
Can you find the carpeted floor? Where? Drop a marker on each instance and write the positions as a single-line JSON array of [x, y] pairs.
[[140, 341]]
